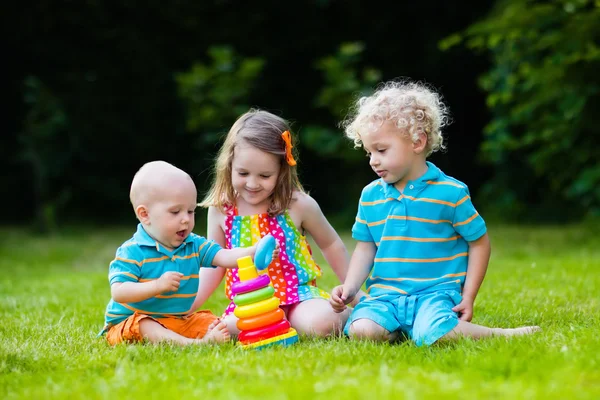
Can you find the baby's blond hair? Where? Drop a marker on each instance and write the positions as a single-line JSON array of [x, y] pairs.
[[414, 107], [152, 180]]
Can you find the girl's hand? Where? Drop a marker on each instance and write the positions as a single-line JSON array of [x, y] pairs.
[[464, 309], [340, 296]]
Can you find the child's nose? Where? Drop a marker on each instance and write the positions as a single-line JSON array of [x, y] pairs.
[[252, 183]]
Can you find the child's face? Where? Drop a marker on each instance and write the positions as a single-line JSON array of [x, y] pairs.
[[392, 154], [171, 216], [254, 175]]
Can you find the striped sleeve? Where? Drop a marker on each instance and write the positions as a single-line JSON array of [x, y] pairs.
[[467, 221], [124, 268], [207, 249], [360, 229]]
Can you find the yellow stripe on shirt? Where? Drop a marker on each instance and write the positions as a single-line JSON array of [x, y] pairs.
[[414, 239], [418, 279], [467, 220], [421, 260]]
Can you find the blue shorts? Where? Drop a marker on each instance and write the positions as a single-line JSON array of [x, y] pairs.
[[424, 318]]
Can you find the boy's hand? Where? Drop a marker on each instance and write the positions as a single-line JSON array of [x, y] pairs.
[[464, 309], [359, 295], [169, 281], [340, 296]]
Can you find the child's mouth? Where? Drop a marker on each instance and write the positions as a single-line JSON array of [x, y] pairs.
[[181, 234]]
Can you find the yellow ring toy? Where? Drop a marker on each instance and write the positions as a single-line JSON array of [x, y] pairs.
[[256, 308]]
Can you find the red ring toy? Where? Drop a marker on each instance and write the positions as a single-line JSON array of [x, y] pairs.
[[276, 329]]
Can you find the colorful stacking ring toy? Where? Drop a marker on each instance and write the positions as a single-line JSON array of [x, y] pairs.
[[254, 297], [264, 252], [254, 309], [278, 328], [248, 286], [268, 318]]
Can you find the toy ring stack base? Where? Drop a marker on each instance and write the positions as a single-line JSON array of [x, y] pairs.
[[286, 339]]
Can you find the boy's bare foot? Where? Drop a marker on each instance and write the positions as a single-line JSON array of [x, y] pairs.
[[524, 330], [217, 333]]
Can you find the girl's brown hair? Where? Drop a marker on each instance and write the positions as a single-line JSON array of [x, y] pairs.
[[262, 130]]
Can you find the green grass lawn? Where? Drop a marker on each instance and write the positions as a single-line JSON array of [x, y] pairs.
[[53, 292]]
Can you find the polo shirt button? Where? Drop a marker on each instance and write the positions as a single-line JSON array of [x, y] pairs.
[[411, 187]]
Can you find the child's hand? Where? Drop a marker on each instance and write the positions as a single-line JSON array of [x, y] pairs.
[[169, 281], [464, 309], [357, 298], [275, 253], [340, 296]]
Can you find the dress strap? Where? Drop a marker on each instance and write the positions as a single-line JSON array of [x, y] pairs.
[[231, 210]]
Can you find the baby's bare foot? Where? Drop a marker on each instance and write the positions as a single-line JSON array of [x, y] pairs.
[[217, 333]]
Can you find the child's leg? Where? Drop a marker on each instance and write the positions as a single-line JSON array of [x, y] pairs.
[[434, 320], [468, 329], [366, 329], [156, 333], [374, 319], [315, 317]]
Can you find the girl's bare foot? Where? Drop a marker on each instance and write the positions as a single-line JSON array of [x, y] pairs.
[[217, 333]]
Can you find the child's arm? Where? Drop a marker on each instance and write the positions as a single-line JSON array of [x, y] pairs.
[[133, 292], [479, 257], [210, 278], [329, 242], [360, 266], [227, 258]]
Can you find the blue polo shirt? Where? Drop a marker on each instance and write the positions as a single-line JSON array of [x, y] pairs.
[[421, 234], [142, 259]]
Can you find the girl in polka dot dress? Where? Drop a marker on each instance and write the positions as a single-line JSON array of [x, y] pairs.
[[256, 191]]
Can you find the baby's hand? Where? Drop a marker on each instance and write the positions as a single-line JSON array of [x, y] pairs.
[[169, 281], [464, 309], [340, 296]]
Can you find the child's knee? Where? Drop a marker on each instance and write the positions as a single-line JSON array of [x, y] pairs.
[[367, 329]]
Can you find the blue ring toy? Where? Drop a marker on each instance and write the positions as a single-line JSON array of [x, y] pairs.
[[264, 252]]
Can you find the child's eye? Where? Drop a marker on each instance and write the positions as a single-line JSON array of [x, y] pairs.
[[242, 173], [174, 212], [381, 150], [265, 176], [191, 212]]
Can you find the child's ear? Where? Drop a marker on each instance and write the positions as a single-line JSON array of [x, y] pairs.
[[421, 143], [141, 212]]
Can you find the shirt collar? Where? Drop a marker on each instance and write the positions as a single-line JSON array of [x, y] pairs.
[[142, 238], [414, 186]]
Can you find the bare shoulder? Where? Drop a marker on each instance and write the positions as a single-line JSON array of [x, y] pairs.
[[215, 216], [215, 212], [303, 202]]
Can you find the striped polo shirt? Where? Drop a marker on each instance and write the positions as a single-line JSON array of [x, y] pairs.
[[421, 234], [143, 259]]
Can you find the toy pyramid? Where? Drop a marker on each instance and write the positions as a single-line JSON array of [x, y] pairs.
[[261, 322]]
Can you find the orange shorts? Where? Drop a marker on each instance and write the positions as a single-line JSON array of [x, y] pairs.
[[192, 326]]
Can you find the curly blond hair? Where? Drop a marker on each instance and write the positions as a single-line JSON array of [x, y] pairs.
[[414, 107]]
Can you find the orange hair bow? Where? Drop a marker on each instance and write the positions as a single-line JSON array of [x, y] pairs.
[[287, 138]]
